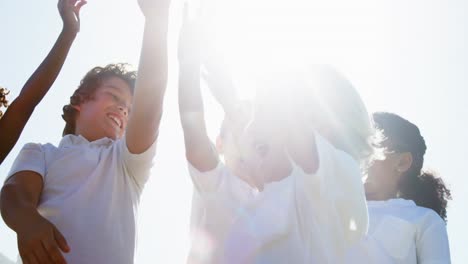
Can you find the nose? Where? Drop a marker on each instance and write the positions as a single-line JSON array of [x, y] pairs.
[[123, 109]]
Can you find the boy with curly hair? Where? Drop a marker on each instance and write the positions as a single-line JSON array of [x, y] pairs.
[[81, 197]]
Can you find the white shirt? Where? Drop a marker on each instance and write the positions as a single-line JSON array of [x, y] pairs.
[[301, 219], [91, 193], [402, 232]]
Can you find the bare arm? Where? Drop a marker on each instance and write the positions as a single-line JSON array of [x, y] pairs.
[[198, 147], [39, 241], [143, 125], [21, 109], [219, 80]]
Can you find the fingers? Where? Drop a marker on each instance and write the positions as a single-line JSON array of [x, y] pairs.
[[72, 2], [41, 255], [53, 250], [61, 241], [29, 259], [66, 3], [74, 5], [60, 4], [79, 5]]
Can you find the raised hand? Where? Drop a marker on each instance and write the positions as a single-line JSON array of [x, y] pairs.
[[41, 242], [189, 41], [70, 12]]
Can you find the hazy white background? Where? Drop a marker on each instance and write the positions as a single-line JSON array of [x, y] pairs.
[[407, 57]]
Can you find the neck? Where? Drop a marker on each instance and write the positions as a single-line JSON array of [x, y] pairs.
[[381, 196]]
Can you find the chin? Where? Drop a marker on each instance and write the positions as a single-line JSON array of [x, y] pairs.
[[111, 136]]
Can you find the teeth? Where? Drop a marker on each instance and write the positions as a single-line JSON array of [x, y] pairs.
[[117, 121]]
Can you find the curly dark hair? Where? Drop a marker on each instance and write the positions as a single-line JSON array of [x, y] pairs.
[[88, 86], [3, 101], [423, 187]]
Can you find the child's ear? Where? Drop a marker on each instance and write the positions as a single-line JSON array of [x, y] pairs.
[[404, 162], [219, 145]]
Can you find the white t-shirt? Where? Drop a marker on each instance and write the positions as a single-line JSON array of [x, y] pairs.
[[91, 193], [303, 218], [402, 232]]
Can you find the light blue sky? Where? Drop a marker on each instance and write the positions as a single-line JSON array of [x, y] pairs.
[[407, 57]]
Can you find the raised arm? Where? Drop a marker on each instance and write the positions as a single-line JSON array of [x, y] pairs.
[[198, 147], [21, 109], [143, 125], [218, 77]]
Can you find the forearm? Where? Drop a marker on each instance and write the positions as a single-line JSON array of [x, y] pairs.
[[191, 107], [152, 70], [222, 87], [151, 84], [190, 96], [16, 207], [21, 109], [45, 75]]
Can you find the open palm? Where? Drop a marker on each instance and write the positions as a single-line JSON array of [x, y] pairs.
[[70, 12]]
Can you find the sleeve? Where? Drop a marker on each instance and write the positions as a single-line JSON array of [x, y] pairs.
[[30, 158], [138, 166], [208, 181], [433, 245], [349, 198], [336, 190]]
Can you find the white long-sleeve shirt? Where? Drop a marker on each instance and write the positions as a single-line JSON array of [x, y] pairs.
[[402, 232], [304, 218]]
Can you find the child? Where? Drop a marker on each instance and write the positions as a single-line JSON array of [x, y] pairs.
[[274, 200], [407, 206], [82, 196], [21, 109]]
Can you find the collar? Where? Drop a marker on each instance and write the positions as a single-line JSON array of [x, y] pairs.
[[77, 140], [398, 202]]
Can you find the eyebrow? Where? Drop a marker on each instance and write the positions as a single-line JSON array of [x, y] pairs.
[[129, 106], [112, 86]]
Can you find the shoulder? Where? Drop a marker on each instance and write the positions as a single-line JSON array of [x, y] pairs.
[[38, 148], [429, 218], [408, 211]]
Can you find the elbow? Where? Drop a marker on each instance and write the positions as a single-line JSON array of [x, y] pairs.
[[5, 192]]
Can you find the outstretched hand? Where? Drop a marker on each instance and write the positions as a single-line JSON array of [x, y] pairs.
[[189, 40], [70, 12]]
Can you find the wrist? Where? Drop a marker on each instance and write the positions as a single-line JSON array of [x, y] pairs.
[[189, 67], [68, 33], [23, 219], [156, 15]]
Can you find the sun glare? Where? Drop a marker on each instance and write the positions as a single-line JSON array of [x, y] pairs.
[[256, 35]]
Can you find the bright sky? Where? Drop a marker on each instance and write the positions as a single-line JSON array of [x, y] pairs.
[[407, 57]]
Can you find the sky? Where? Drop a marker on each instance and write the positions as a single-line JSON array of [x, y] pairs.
[[406, 57]]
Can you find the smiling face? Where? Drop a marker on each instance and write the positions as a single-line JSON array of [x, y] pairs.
[[106, 113]]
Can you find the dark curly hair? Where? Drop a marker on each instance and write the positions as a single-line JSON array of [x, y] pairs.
[[88, 86], [423, 187], [3, 101]]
